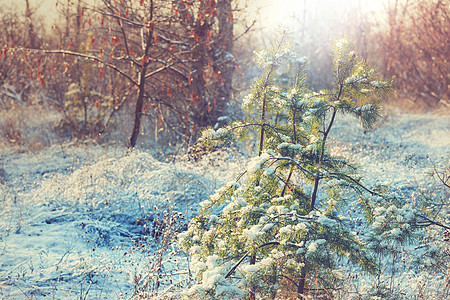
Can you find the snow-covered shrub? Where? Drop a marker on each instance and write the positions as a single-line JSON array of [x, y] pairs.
[[282, 223], [434, 245]]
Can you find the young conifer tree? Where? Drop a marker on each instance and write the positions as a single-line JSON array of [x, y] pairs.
[[280, 225]]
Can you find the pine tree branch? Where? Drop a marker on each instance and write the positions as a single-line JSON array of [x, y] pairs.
[[444, 179], [245, 255], [236, 265], [338, 175], [296, 163], [256, 124], [431, 222], [287, 181]]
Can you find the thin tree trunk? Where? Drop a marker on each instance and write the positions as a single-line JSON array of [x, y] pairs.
[[322, 154], [138, 110], [314, 193], [252, 288], [141, 94], [226, 66], [31, 33], [301, 283], [78, 26], [85, 107], [283, 192]]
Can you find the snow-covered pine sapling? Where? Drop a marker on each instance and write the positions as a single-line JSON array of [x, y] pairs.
[[279, 226]]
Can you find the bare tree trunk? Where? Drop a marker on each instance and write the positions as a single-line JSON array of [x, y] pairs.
[[31, 33], [141, 94], [67, 15], [200, 57], [226, 65], [78, 25], [138, 110], [212, 52]]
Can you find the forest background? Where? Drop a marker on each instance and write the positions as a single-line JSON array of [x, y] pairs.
[[81, 61]]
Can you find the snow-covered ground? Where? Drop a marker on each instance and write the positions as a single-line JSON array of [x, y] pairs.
[[401, 151], [82, 221]]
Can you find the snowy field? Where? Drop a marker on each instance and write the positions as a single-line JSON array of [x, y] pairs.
[[81, 221]]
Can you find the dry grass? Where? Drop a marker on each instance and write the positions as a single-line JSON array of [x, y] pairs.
[[28, 128]]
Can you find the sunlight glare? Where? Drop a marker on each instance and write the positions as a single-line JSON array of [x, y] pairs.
[[293, 12]]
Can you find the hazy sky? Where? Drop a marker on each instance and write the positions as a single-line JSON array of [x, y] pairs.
[[45, 8], [273, 12]]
